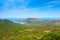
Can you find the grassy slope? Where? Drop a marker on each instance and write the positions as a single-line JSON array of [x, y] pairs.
[[12, 31]]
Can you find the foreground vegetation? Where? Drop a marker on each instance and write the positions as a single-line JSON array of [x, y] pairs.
[[12, 31]]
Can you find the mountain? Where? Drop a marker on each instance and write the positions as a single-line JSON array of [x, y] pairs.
[[12, 31], [41, 22]]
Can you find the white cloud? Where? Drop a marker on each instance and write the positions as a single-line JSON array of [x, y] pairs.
[[52, 3], [19, 13], [18, 3]]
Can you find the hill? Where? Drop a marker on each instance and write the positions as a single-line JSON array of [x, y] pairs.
[[40, 22], [8, 29], [12, 31]]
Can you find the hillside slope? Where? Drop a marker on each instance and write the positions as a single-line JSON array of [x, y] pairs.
[[12, 31], [8, 29]]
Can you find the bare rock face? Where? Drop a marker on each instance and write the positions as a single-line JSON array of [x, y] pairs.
[[57, 23], [29, 20], [37, 21]]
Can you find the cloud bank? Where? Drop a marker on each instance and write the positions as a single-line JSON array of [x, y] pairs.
[[22, 4]]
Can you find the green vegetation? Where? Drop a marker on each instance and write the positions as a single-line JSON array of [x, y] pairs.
[[12, 31], [51, 36]]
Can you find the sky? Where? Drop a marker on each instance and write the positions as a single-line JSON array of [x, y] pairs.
[[30, 8]]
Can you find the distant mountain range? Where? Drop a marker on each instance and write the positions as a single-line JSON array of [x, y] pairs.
[[33, 21], [38, 21]]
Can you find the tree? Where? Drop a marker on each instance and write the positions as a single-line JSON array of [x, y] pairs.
[[51, 36]]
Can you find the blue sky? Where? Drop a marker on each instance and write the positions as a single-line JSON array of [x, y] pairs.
[[29, 8]]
